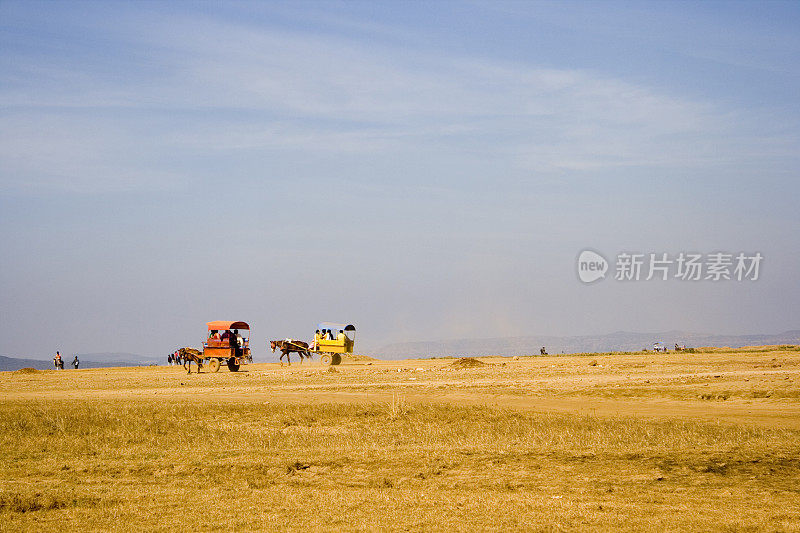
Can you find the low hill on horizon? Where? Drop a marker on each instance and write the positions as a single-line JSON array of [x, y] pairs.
[[15, 363], [87, 360], [106, 357], [620, 341]]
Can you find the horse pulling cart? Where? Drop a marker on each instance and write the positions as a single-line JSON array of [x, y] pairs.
[[327, 344], [227, 342]]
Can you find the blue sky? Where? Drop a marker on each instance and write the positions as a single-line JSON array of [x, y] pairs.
[[424, 170]]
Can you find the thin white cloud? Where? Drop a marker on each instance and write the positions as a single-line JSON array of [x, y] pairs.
[[220, 88]]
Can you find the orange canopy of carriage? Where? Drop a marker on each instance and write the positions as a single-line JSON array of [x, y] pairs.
[[222, 325]]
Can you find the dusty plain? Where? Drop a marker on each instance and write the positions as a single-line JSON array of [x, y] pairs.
[[703, 441]]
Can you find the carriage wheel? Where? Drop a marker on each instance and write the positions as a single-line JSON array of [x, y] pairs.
[[213, 365], [336, 359], [232, 366], [325, 359]]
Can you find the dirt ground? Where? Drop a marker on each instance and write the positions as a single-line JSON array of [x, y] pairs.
[[592, 442], [741, 388]]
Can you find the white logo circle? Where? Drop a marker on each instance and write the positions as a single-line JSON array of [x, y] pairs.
[[591, 266]]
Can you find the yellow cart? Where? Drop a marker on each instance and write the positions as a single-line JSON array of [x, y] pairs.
[[331, 350]]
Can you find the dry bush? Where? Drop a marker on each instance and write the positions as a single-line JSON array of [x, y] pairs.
[[27, 370], [17, 502], [29, 500], [467, 362]]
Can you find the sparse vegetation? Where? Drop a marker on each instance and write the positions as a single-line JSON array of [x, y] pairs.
[[748, 349], [289, 449]]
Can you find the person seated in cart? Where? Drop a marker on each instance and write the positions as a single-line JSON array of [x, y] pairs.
[[213, 335], [315, 342], [335, 339], [236, 342]]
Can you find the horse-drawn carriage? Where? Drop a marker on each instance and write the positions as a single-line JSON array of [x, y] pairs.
[[329, 344], [228, 342]]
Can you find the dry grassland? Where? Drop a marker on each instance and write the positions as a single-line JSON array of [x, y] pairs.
[[680, 442]]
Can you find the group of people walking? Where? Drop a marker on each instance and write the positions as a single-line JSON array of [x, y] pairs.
[[175, 358], [58, 362]]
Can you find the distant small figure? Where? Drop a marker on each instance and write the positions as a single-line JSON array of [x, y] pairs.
[[543, 351], [76, 362], [58, 362]]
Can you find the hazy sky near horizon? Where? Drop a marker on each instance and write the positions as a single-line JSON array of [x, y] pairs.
[[423, 170]]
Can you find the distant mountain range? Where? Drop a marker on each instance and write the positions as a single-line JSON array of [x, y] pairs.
[[130, 359], [88, 360], [620, 341]]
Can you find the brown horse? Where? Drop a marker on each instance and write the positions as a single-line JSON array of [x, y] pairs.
[[187, 355], [288, 346]]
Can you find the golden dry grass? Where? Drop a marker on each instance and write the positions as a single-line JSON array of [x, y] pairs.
[[537, 444]]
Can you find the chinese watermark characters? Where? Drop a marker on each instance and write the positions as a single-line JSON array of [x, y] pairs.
[[684, 266]]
